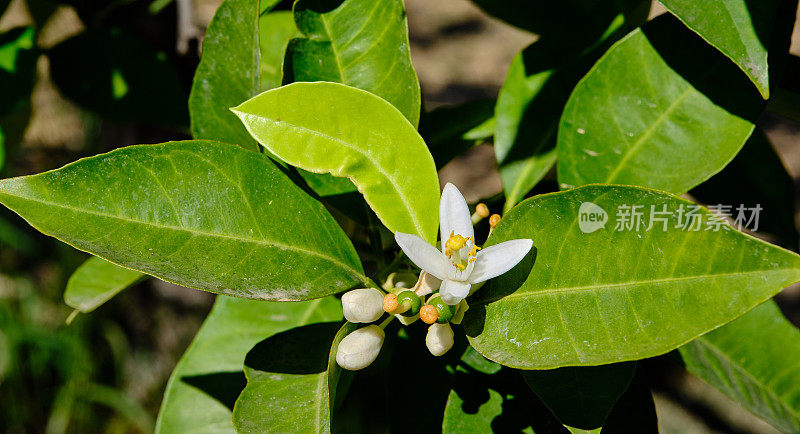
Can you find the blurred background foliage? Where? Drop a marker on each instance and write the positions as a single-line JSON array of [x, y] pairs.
[[80, 77]]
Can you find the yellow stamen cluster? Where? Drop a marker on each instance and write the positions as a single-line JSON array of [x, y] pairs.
[[473, 253], [455, 242]]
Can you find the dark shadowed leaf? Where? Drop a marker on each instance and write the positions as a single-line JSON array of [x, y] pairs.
[[740, 29], [756, 178], [17, 68], [449, 131], [117, 76], [605, 289], [582, 396], [201, 214], [496, 402], [291, 381], [635, 411], [209, 377]]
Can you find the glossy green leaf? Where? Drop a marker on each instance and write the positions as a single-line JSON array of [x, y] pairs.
[[291, 381], [203, 387], [330, 127], [660, 108], [275, 29], [756, 178], [360, 43], [755, 360], [228, 73], [581, 396], [740, 29], [95, 282], [117, 76], [200, 214], [614, 293], [530, 103], [450, 131], [17, 67]]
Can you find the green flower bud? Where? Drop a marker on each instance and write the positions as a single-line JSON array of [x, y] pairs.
[[444, 310], [410, 303]]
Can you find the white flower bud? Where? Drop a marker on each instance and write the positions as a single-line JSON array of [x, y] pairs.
[[439, 338], [360, 348], [363, 305]]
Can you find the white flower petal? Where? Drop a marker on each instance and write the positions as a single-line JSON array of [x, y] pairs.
[[360, 348], [454, 214], [439, 339], [422, 254], [496, 260], [362, 305], [453, 291]]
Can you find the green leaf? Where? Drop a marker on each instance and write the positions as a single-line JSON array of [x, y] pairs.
[[581, 397], [614, 293], [17, 67], [497, 402], [360, 43], [95, 282], [530, 103], [660, 108], [572, 23], [228, 73], [740, 29], [330, 127], [450, 131], [207, 380], [275, 29], [291, 381], [117, 76], [755, 360], [756, 177], [200, 214], [635, 411]]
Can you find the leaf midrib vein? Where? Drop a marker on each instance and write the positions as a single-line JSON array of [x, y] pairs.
[[569, 289], [721, 354], [196, 232]]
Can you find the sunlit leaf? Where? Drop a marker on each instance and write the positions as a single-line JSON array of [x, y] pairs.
[[95, 282], [228, 73], [660, 108], [329, 127], [755, 360], [201, 214], [360, 43], [601, 288]]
